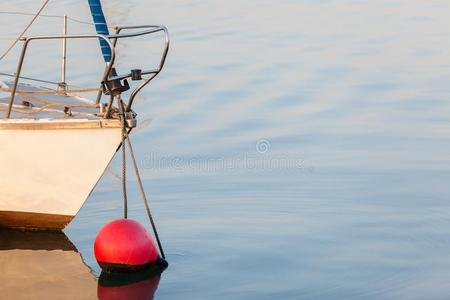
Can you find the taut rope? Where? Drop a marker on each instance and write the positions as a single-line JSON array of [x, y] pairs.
[[126, 137]]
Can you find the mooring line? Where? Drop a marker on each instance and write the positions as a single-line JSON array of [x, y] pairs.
[[124, 162], [126, 137], [144, 197]]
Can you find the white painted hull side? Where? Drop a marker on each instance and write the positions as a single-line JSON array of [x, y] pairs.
[[52, 171]]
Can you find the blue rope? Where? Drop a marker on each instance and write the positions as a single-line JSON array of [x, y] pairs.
[[101, 26]]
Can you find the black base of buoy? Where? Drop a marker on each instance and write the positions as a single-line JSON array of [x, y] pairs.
[[159, 264]]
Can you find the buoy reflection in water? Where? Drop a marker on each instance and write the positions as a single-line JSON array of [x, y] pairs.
[[140, 285]]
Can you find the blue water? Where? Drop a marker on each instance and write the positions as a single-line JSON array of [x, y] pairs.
[[290, 149]]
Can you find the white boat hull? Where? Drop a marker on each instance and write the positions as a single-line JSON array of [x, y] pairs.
[[47, 171]]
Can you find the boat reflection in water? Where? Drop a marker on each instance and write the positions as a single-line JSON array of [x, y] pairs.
[[46, 265], [42, 265]]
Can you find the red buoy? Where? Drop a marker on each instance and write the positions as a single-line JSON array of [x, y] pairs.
[[124, 245]]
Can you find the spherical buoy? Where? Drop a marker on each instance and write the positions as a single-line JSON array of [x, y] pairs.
[[124, 245]]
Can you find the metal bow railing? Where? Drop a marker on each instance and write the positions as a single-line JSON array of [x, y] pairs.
[[111, 40]]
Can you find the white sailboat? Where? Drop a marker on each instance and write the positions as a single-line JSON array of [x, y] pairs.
[[72, 139]]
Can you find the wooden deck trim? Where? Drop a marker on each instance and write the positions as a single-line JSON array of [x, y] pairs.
[[54, 125]]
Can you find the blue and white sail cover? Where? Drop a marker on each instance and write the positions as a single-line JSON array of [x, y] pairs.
[[101, 26]]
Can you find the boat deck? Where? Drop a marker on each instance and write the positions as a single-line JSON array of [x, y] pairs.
[[33, 102], [43, 108]]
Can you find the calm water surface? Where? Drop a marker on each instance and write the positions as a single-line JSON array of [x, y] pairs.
[[291, 149]]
